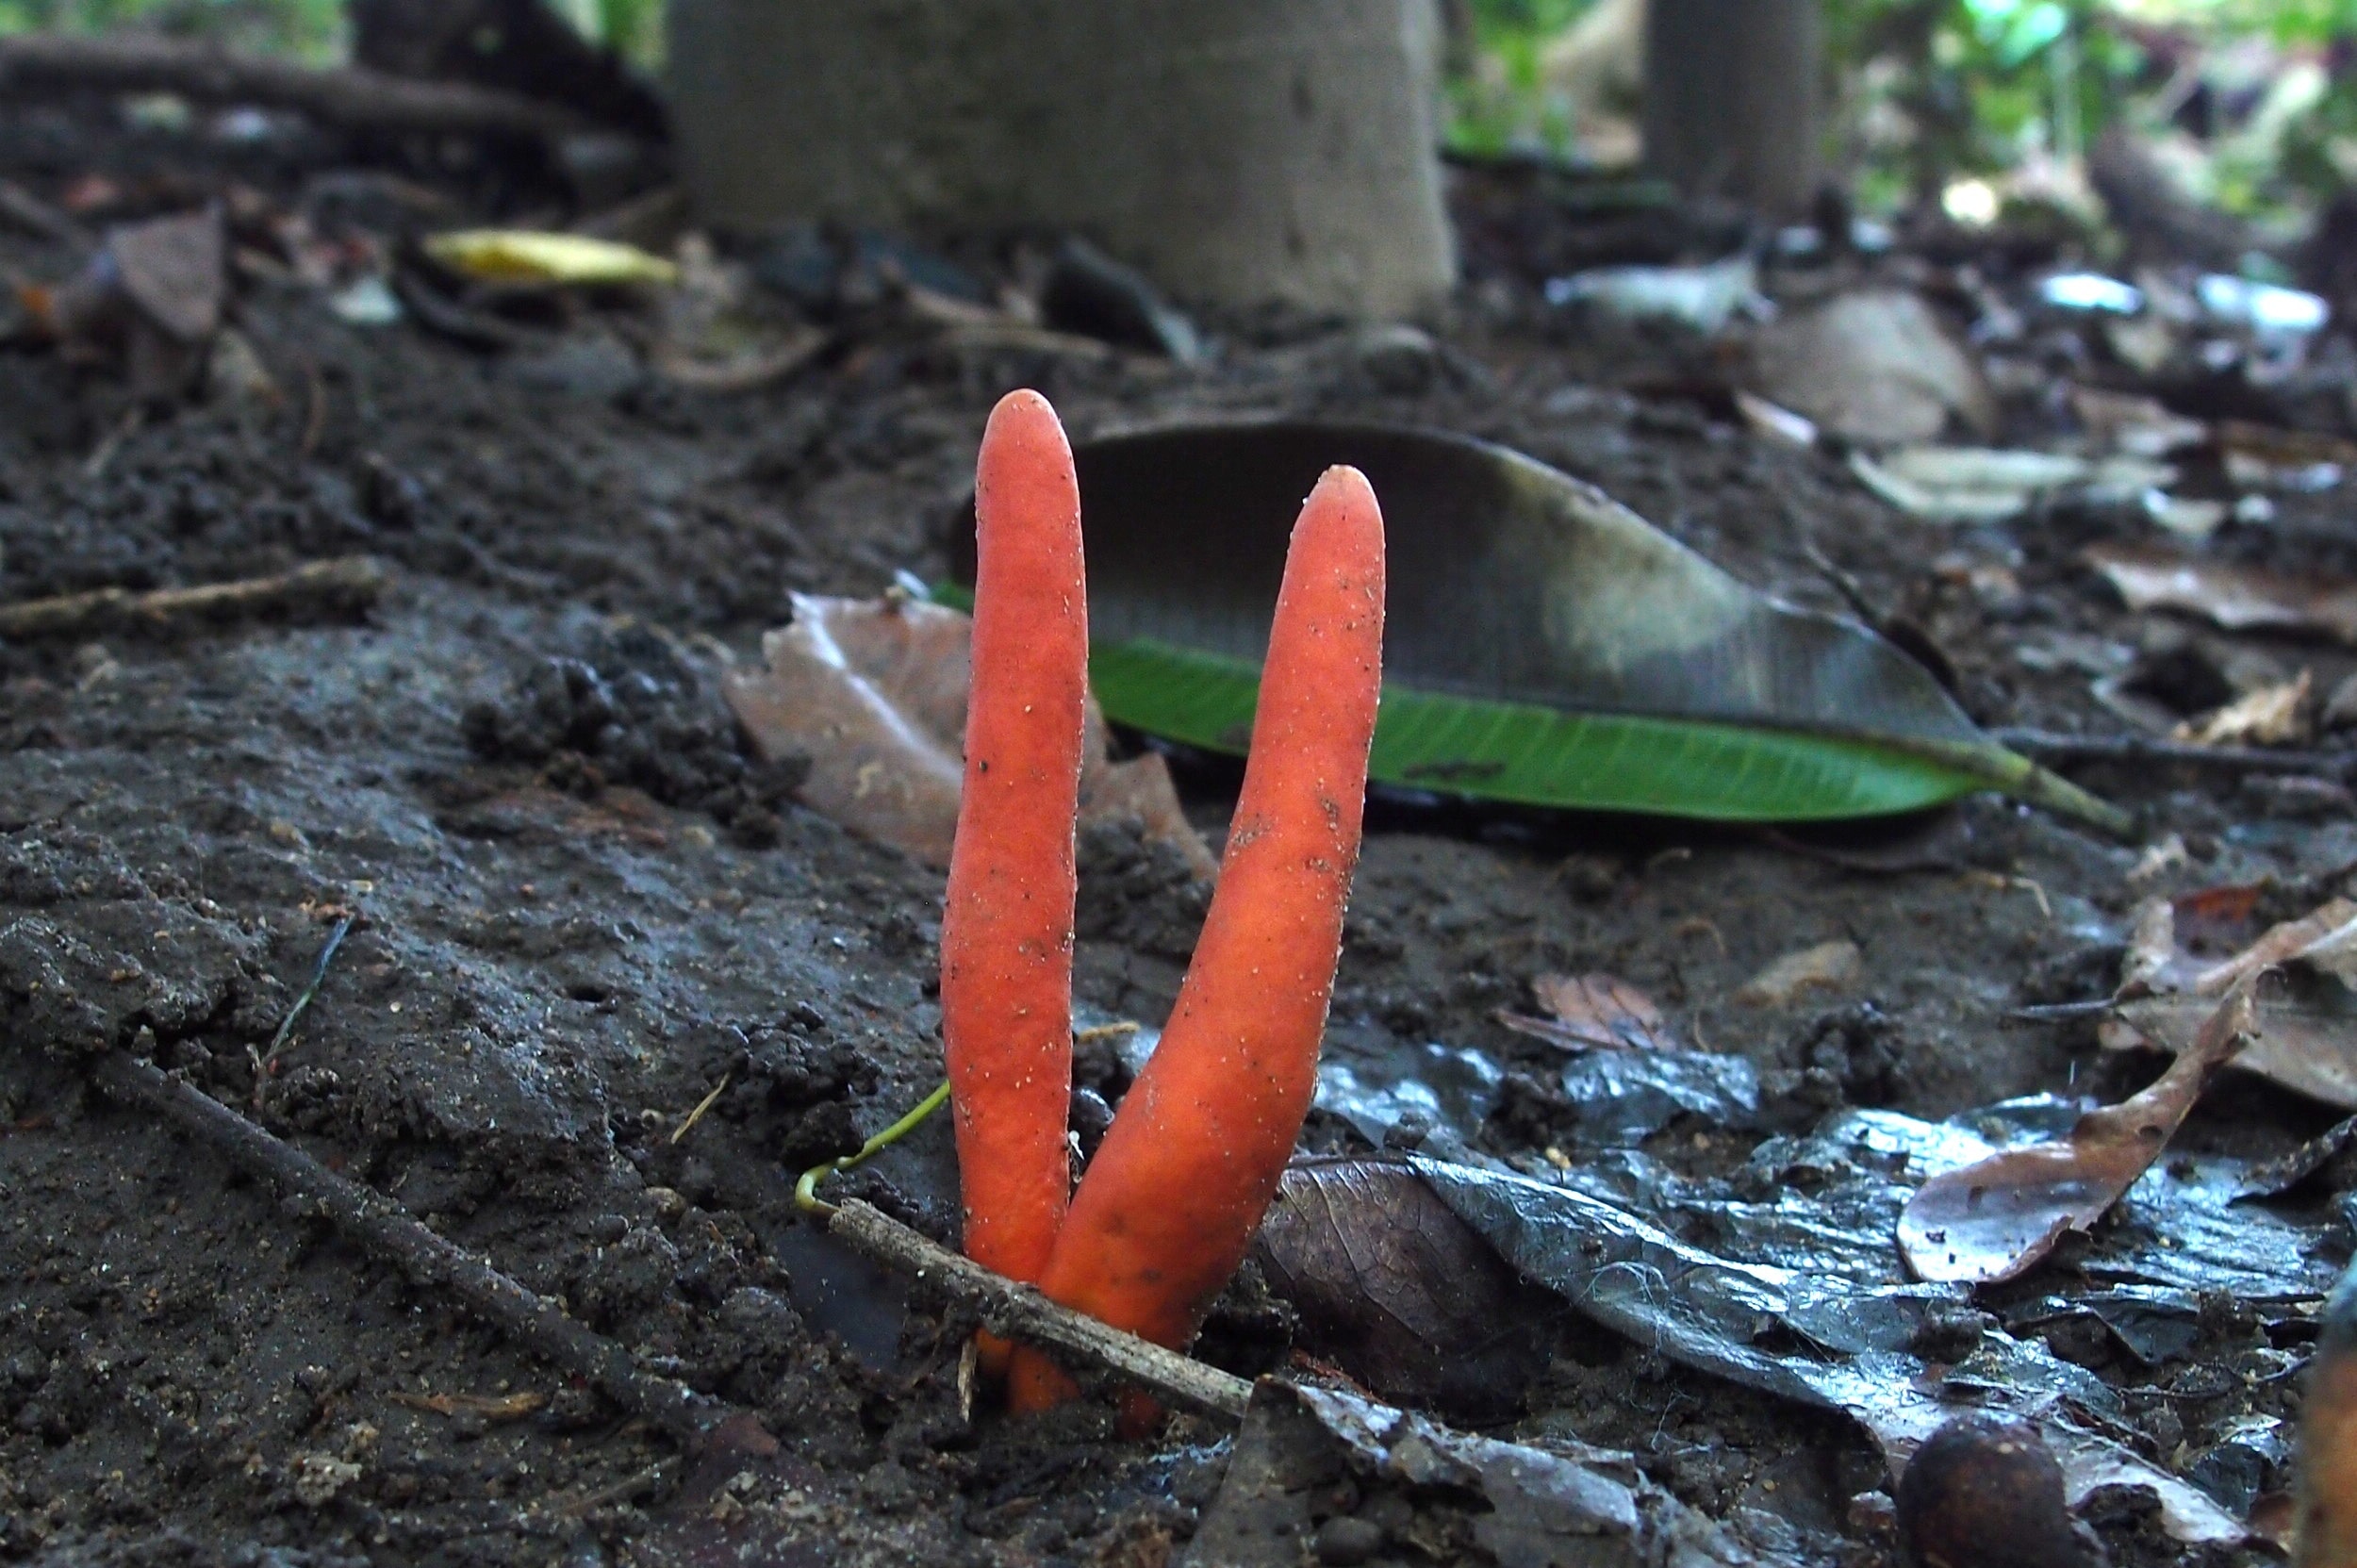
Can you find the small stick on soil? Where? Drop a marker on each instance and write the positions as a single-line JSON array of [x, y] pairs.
[[2241, 759], [33, 215], [702, 1106], [344, 586], [380, 1228], [1021, 1312], [52, 64]]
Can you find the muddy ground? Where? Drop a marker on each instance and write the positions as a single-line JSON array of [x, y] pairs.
[[571, 929]]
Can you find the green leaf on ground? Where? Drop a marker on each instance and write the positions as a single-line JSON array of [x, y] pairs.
[[1544, 644]]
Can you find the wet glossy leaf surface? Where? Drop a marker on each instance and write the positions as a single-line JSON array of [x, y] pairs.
[[1996, 1218]]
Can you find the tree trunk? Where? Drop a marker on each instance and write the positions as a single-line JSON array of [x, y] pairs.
[[1236, 150], [1732, 90], [516, 45]]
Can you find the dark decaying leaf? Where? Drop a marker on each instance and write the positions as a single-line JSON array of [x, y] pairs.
[[1995, 1218], [1544, 644], [1400, 1294], [873, 693], [1812, 1334], [1587, 1012]]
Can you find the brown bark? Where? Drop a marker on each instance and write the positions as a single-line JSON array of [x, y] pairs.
[[1231, 149], [1732, 90], [518, 46]]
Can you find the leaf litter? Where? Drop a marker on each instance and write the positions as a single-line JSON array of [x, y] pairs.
[[1804, 1289], [1995, 1219], [2303, 1031], [873, 693], [1599, 1010]]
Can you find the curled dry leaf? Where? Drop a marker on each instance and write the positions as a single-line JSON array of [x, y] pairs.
[[2238, 598], [1874, 364], [1401, 1293], [1587, 1011], [2278, 715], [873, 692], [1989, 484], [1995, 1218], [1827, 967], [2304, 1038]]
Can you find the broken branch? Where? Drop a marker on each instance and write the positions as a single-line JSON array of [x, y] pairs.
[[387, 1232], [345, 585], [347, 98], [2240, 759], [1021, 1312]]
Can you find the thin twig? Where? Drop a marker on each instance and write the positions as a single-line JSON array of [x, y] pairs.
[[121, 431], [345, 585], [702, 1106], [1021, 1312], [382, 1229], [2242, 759], [352, 99], [29, 212]]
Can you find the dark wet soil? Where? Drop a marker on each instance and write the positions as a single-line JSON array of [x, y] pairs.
[[581, 907]]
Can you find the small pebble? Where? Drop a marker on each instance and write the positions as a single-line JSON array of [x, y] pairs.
[[1342, 1542], [1985, 1494]]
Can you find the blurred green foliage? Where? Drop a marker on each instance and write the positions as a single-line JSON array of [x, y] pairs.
[[312, 29], [1928, 91], [1498, 95]]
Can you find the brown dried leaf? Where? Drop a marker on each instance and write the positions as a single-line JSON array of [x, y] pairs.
[[2138, 426], [2307, 1048], [2279, 715], [1587, 1011], [2292, 939], [1995, 1218], [174, 270], [2238, 598], [1827, 967], [2260, 457], [1874, 365], [1401, 1293], [2305, 1037], [873, 692]]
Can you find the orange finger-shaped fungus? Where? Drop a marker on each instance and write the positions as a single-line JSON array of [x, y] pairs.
[[1006, 934], [1164, 1215]]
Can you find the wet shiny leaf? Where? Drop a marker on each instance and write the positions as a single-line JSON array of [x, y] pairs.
[[1995, 1218]]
